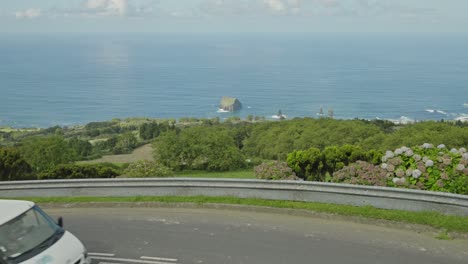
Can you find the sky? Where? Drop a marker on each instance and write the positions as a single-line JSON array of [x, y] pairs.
[[198, 16]]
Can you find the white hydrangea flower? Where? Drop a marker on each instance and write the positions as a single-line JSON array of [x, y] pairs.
[[398, 151], [416, 174], [417, 157], [424, 159], [429, 163], [454, 150], [404, 148], [465, 156], [460, 167], [409, 172], [384, 166], [389, 154], [409, 153], [462, 150], [384, 159], [399, 180], [441, 146], [427, 146]]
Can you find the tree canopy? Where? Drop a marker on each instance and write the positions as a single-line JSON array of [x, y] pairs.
[[44, 153], [207, 148], [13, 166]]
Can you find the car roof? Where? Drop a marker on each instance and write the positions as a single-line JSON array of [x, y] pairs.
[[13, 208]]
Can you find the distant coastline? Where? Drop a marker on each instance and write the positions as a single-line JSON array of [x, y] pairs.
[[403, 120]]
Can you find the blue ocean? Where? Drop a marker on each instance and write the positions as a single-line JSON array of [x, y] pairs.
[[68, 79]]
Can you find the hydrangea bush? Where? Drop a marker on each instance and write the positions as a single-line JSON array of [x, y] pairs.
[[425, 167], [275, 170], [144, 168], [363, 173]]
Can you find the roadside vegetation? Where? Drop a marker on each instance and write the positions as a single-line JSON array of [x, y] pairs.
[[426, 155]]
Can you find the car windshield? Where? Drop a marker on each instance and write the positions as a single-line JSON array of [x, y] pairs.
[[26, 233]]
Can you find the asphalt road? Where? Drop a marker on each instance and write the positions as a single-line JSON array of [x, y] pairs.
[[209, 236]]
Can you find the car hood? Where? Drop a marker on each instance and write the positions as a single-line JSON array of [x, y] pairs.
[[67, 250]]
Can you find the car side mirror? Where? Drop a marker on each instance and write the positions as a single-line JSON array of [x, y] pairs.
[[60, 222]]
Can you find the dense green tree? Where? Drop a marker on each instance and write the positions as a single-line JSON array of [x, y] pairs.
[[154, 129], [149, 130], [125, 143], [13, 166], [434, 132], [93, 133], [97, 125], [46, 152], [198, 147], [82, 148], [106, 145], [274, 140], [239, 132], [169, 150]]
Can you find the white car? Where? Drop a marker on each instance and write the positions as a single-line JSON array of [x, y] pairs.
[[29, 236]]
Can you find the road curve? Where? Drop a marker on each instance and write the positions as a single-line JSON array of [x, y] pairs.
[[210, 236]]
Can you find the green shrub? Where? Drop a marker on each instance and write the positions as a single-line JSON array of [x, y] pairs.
[[275, 170], [313, 164], [75, 171], [144, 168], [306, 163]]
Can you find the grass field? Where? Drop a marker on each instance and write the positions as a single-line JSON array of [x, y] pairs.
[[144, 152], [9, 129], [446, 223]]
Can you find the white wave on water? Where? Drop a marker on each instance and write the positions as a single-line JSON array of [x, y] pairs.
[[403, 120], [432, 111], [441, 112], [465, 104], [249, 107], [222, 111], [462, 117], [279, 117]]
